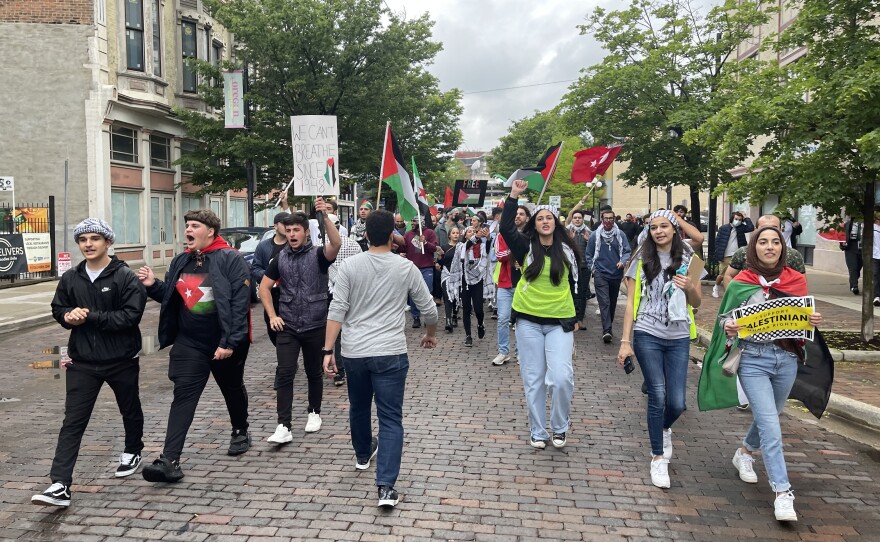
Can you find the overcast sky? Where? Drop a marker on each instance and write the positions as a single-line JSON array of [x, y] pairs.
[[492, 44]]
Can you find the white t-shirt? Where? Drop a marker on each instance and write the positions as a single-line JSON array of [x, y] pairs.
[[732, 243], [93, 275]]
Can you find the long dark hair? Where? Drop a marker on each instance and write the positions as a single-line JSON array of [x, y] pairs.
[[647, 251], [557, 256]]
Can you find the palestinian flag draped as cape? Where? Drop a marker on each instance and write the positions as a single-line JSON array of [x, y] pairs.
[[813, 383]]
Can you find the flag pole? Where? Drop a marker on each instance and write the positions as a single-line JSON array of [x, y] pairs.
[[382, 165], [286, 188], [552, 171]]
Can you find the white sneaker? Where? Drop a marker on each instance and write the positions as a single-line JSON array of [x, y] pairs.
[[281, 435], [744, 464], [716, 291], [660, 473], [783, 507], [667, 443], [598, 311], [501, 359], [314, 423]]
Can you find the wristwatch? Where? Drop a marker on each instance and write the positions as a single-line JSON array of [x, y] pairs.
[[325, 352]]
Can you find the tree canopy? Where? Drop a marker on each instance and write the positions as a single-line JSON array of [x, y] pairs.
[[351, 58]]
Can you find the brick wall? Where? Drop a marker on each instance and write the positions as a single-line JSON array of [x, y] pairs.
[[47, 11]]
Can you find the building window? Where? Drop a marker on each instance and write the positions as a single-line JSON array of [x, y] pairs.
[[134, 34], [238, 213], [160, 151], [191, 202], [216, 57], [157, 43], [126, 217], [190, 50], [187, 149], [123, 144]]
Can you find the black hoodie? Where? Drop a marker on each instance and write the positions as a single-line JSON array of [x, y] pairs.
[[116, 302]]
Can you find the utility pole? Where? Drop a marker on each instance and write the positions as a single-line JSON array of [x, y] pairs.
[[250, 167]]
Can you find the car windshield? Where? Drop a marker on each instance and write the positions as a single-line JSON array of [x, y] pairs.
[[242, 241]]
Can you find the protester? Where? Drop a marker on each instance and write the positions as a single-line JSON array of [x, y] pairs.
[[607, 252], [450, 306], [399, 224], [348, 249], [660, 295], [205, 313], [266, 251], [580, 234], [730, 237], [419, 247], [631, 229], [545, 315], [359, 228], [507, 276], [466, 274], [695, 240], [370, 294], [104, 345], [790, 227], [767, 368], [301, 272], [852, 251]]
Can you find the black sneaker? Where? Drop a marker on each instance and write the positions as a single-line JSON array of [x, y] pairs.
[[58, 494], [417, 323], [539, 444], [855, 291], [606, 338], [128, 464], [239, 443], [363, 463], [481, 332], [448, 325], [388, 497], [645, 388], [558, 440], [468, 341], [163, 470], [339, 379]]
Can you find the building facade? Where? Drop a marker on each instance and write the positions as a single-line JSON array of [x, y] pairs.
[[95, 83]]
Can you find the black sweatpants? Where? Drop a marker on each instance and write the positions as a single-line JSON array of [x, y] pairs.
[[83, 383], [449, 305], [189, 368], [289, 345], [472, 300]]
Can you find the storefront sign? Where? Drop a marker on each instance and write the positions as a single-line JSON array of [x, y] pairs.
[[233, 93], [12, 256]]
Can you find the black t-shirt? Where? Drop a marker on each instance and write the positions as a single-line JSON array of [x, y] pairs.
[[199, 322], [448, 254], [274, 274], [276, 292]]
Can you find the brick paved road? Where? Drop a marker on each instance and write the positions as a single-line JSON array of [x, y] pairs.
[[468, 473]]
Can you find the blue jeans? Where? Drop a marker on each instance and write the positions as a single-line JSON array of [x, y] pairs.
[[607, 290], [428, 275], [382, 378], [504, 301], [767, 374], [664, 364], [545, 364]]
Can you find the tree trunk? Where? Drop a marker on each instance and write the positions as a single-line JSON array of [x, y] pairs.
[[695, 205], [868, 269]]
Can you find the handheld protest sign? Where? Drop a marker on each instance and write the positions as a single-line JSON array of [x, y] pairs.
[[781, 318], [315, 145]]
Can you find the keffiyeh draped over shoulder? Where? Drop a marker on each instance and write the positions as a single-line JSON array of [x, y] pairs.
[[468, 267]]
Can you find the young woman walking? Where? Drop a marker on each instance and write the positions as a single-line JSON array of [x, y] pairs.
[[767, 367], [443, 266], [545, 315], [466, 274], [659, 297]]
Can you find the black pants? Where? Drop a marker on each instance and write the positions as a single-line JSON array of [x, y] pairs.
[[580, 300], [289, 345], [876, 270], [83, 383], [607, 290], [472, 300], [189, 368], [276, 299], [437, 289], [854, 266], [449, 305]]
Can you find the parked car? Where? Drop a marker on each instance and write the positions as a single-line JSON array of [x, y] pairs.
[[245, 240]]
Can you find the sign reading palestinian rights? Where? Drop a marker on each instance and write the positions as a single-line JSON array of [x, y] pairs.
[[12, 256], [782, 318], [233, 94], [469, 193], [315, 146]]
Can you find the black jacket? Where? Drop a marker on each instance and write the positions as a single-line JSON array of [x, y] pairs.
[[231, 282], [116, 302]]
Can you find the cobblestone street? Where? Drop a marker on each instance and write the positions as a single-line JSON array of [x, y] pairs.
[[468, 472]]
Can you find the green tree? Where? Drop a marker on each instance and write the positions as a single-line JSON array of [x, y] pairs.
[[350, 58], [664, 74], [525, 142], [811, 126]]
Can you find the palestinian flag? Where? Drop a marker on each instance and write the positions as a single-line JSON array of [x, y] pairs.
[[330, 175], [539, 175], [395, 176], [467, 198], [421, 197], [447, 201], [812, 386]]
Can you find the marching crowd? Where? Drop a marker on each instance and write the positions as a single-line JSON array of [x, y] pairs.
[[339, 297]]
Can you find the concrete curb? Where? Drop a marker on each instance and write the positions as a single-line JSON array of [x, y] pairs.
[[844, 407], [26, 323]]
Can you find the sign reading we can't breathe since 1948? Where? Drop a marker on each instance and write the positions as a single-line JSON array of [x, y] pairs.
[[315, 155]]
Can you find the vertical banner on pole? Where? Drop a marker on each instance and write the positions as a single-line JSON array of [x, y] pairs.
[[315, 155], [233, 93]]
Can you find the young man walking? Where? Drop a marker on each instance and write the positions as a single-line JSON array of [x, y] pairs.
[[419, 248], [101, 302], [205, 314], [267, 251], [368, 306], [506, 277], [300, 270], [607, 252]]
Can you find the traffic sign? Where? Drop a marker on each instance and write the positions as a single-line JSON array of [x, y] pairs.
[[7, 184]]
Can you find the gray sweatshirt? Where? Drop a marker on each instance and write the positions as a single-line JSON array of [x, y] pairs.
[[369, 298]]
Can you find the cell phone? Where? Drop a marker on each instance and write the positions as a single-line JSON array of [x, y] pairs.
[[628, 365]]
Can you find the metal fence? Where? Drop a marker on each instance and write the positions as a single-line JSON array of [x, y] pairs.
[[30, 218]]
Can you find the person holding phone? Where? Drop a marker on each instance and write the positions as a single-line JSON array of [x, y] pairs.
[[661, 323]]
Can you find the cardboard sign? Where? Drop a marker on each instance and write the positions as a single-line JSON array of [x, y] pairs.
[[782, 318], [315, 147], [469, 193]]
